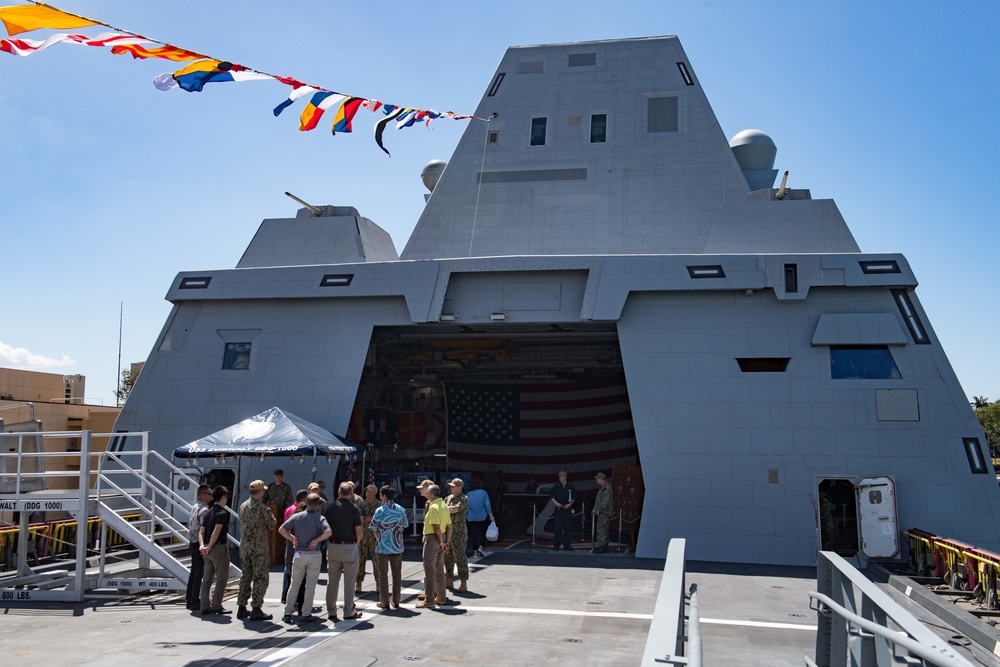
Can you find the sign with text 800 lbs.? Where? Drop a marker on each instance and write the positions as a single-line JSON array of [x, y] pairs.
[[22, 505]]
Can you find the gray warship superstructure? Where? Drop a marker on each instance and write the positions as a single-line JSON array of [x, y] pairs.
[[597, 227]]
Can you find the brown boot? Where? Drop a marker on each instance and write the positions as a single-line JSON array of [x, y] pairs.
[[464, 586], [451, 583]]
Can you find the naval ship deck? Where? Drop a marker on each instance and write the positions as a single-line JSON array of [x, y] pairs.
[[526, 605]]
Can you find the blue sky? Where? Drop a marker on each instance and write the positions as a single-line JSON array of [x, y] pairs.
[[110, 187]]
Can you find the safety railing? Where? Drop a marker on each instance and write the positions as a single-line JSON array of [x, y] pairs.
[[114, 484], [675, 632], [960, 565], [859, 624]]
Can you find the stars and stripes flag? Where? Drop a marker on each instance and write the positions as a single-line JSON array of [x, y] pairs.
[[532, 431]]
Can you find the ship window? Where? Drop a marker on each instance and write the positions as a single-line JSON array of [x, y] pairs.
[[496, 84], [911, 318], [685, 74], [598, 128], [975, 454], [887, 266], [582, 59], [708, 271], [336, 280], [862, 363], [190, 282], [661, 114], [538, 131], [493, 137], [236, 357], [791, 278], [763, 364]]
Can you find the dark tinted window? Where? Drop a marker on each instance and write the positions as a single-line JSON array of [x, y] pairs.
[[865, 363]]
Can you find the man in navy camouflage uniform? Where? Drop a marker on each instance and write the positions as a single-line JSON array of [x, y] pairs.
[[458, 505], [256, 523], [604, 507]]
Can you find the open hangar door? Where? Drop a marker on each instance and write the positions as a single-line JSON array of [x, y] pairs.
[[503, 405]]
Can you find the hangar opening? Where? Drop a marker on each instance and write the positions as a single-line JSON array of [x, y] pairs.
[[505, 405]]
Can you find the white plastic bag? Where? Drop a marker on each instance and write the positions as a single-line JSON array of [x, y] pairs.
[[493, 533]]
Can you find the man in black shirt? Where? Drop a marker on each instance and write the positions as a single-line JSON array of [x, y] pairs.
[[562, 496], [342, 554], [212, 540]]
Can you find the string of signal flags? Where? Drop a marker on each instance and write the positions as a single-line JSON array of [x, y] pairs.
[[201, 70]]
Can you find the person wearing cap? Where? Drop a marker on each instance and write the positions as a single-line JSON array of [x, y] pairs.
[[458, 506], [437, 534], [562, 496], [366, 551], [422, 490], [279, 492], [314, 488], [604, 505], [322, 490], [256, 523]]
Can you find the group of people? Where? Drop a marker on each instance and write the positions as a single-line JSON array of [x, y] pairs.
[[347, 533]]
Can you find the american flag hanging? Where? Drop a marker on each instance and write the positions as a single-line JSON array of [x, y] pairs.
[[532, 431]]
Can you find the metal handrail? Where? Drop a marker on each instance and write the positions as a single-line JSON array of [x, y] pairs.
[[941, 656], [839, 582], [171, 496], [665, 642]]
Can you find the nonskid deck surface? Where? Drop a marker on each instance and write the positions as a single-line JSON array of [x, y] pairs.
[[527, 604]]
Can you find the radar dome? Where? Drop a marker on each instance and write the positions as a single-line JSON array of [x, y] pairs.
[[754, 150], [431, 173]]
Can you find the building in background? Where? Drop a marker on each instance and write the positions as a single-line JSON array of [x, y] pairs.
[[58, 403]]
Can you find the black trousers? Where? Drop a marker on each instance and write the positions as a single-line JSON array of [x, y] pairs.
[[193, 596], [477, 534], [560, 527]]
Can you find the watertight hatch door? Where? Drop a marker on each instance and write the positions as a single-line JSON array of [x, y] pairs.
[[877, 523]]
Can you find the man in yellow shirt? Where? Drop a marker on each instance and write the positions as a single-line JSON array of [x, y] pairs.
[[437, 535]]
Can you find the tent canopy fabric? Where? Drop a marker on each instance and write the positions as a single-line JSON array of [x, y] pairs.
[[273, 432]]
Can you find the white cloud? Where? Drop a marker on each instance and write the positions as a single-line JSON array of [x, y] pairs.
[[18, 357]]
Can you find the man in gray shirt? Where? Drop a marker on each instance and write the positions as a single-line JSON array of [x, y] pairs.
[[306, 531]]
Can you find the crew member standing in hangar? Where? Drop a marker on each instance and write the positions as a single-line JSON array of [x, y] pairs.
[[562, 496]]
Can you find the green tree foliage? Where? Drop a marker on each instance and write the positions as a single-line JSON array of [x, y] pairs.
[[989, 417], [125, 387]]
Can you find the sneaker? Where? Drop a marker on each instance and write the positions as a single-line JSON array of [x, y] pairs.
[[220, 611]]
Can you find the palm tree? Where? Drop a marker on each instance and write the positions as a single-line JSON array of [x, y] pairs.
[[979, 402]]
